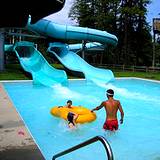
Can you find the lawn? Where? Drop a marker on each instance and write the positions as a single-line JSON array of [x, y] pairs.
[[146, 75], [15, 72]]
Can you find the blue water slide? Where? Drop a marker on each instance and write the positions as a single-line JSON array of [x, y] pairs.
[[51, 29], [68, 58], [33, 61], [74, 62], [91, 45]]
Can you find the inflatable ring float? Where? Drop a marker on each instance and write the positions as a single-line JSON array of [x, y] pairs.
[[84, 115]]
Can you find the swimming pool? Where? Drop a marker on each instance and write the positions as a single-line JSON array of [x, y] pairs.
[[138, 138]]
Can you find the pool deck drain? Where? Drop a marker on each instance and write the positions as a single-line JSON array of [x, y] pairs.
[[16, 143]]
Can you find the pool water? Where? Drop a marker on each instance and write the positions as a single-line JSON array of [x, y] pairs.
[[137, 138]]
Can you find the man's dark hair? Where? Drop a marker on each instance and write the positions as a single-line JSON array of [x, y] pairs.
[[110, 93]]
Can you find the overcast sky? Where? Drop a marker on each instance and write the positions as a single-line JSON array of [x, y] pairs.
[[62, 16]]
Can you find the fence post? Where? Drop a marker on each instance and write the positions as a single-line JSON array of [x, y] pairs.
[[123, 67], [133, 68]]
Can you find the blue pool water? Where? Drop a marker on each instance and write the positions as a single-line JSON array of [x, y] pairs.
[[138, 138]]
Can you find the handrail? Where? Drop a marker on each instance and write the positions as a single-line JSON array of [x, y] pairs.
[[85, 143]]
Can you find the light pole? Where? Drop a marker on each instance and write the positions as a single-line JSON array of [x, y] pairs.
[[153, 56]]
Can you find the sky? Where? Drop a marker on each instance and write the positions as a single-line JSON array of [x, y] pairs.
[[153, 10], [61, 17]]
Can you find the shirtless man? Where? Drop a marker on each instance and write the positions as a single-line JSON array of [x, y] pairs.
[[111, 106]]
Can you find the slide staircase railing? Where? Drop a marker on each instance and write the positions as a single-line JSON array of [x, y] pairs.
[[88, 142]]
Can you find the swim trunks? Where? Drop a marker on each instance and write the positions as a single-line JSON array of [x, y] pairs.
[[70, 117], [110, 125]]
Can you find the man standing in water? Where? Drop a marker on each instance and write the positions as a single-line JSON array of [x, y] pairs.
[[111, 106]]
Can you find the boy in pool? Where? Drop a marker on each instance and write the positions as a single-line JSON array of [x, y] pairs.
[[68, 105], [71, 117], [111, 106]]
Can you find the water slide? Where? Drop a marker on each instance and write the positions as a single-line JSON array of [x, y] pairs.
[[74, 62], [89, 46], [68, 58], [33, 61]]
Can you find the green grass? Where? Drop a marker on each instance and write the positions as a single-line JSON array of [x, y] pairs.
[[15, 72], [151, 75]]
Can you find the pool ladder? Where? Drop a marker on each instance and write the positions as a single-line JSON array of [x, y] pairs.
[[88, 142]]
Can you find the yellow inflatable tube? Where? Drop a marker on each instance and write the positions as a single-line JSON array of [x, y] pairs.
[[84, 114]]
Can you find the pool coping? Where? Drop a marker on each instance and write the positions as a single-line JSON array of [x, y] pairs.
[[16, 140], [146, 79]]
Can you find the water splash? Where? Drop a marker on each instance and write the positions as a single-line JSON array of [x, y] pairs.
[[66, 92], [127, 93], [70, 94]]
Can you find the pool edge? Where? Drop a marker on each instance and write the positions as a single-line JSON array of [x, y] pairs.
[[146, 79]]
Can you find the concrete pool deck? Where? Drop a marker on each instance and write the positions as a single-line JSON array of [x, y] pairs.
[[16, 143]]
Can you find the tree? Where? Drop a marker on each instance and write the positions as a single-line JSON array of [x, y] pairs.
[[124, 18], [81, 11]]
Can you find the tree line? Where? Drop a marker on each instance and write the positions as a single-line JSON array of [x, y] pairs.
[[124, 18]]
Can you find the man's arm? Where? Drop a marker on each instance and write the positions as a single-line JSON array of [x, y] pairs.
[[121, 111], [98, 107]]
